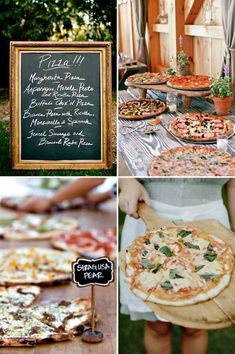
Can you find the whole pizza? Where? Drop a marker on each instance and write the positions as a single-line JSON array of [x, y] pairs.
[[35, 265], [189, 82], [201, 127], [143, 108], [178, 266], [148, 78], [20, 226], [193, 161], [92, 243]]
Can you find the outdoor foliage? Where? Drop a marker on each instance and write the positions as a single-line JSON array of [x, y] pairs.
[[41, 20]]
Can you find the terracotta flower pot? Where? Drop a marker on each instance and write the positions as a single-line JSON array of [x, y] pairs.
[[222, 105]]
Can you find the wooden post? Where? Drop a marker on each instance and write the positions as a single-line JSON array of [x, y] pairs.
[[176, 29], [92, 308], [154, 38]]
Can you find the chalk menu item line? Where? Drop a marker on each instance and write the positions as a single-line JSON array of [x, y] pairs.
[[68, 127]]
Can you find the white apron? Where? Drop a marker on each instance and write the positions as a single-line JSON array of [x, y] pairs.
[[133, 228]]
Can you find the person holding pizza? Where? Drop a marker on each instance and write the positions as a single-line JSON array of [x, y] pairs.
[[174, 199]]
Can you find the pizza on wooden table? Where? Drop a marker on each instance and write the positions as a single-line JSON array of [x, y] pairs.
[[142, 108], [148, 78], [90, 243], [189, 82], [23, 226], [201, 127], [193, 161]]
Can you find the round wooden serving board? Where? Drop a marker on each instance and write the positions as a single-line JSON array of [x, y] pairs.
[[213, 314]]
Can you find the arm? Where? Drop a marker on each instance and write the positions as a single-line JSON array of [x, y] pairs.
[[78, 188], [231, 201], [132, 192]]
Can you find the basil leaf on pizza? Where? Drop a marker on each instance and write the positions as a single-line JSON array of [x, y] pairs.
[[166, 285], [184, 233], [158, 267], [166, 251], [173, 275], [191, 245]]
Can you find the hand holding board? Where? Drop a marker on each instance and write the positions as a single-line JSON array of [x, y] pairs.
[[92, 272]]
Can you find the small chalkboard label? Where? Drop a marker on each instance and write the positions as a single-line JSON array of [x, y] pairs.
[[97, 271], [61, 105]]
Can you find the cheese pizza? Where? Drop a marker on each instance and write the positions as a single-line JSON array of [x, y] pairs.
[[193, 161], [178, 266]]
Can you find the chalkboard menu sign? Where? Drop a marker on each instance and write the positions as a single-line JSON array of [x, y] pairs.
[[97, 271], [60, 105]]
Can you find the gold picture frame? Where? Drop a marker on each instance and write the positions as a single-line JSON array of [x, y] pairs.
[[104, 48]]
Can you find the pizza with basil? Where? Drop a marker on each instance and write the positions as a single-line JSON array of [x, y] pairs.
[[193, 161], [92, 243], [178, 266], [148, 78], [189, 82], [200, 127], [35, 265], [140, 109], [20, 226]]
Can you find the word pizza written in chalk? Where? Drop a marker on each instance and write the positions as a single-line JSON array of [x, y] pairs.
[[97, 271]]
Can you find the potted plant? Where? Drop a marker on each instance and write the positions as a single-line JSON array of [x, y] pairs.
[[183, 64], [222, 93]]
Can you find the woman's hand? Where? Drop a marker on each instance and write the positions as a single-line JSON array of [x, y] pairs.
[[36, 205], [132, 192]]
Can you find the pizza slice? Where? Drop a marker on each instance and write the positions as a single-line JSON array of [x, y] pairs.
[[22, 296], [67, 316], [34, 265], [91, 243], [19, 328], [31, 226]]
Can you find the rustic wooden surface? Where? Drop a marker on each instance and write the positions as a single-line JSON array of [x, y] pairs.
[[165, 88], [138, 149], [105, 297], [213, 314]]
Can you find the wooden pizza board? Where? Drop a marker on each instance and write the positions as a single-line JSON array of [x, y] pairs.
[[212, 314]]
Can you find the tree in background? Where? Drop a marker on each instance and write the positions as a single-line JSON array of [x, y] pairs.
[[40, 20]]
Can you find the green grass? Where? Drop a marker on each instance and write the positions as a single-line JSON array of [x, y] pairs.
[[131, 338], [5, 167], [131, 332]]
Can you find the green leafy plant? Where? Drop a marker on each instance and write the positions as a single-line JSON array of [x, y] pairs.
[[171, 71], [182, 58], [221, 87]]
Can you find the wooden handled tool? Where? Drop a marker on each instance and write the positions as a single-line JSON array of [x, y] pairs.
[[151, 219]]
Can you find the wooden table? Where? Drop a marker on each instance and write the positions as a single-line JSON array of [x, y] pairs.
[[138, 149], [186, 95], [105, 297]]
